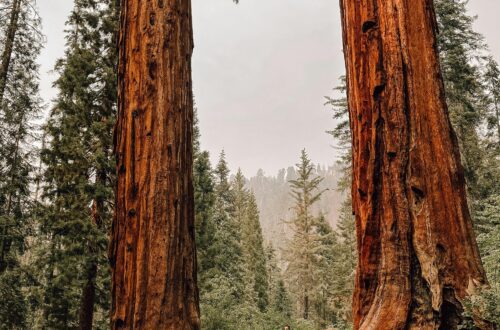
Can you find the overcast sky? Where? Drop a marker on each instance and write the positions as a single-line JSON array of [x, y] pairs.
[[261, 70]]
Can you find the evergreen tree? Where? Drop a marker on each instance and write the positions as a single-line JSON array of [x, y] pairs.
[[341, 133], [344, 265], [228, 232], [204, 208], [279, 311], [204, 194], [79, 171], [345, 258], [302, 250], [459, 49], [324, 291], [473, 97], [492, 85], [254, 254], [223, 293], [20, 105], [485, 303]]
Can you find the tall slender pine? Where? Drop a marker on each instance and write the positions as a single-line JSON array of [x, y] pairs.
[[79, 172], [20, 105]]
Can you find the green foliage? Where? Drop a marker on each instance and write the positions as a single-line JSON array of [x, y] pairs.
[[344, 267], [492, 100], [303, 250], [345, 246], [341, 133], [75, 213], [473, 90], [20, 105], [486, 303], [254, 255], [13, 307], [460, 48], [235, 278]]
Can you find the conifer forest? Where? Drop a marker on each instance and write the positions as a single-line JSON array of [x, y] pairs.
[[115, 215]]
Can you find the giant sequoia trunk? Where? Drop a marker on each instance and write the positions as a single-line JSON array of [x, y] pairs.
[[418, 257], [153, 247]]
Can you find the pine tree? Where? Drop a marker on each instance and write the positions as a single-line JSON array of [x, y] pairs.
[[204, 195], [20, 105], [204, 204], [459, 48], [301, 253], [344, 265], [324, 291], [279, 310], [473, 93], [345, 248], [240, 196], [79, 171], [253, 253], [492, 85], [223, 294], [228, 232], [341, 133]]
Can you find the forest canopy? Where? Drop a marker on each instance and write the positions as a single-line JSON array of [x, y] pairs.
[[111, 178]]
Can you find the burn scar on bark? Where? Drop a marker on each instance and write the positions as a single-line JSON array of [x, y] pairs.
[[362, 193], [152, 19], [152, 66], [377, 91], [417, 193], [368, 25]]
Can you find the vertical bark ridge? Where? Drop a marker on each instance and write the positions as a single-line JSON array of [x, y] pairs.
[[418, 257], [152, 250]]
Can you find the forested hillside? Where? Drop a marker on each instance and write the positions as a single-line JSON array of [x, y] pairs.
[[272, 249], [275, 201]]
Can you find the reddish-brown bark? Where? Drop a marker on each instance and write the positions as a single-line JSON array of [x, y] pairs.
[[153, 247], [418, 258]]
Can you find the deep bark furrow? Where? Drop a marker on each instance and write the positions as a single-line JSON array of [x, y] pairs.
[[418, 258]]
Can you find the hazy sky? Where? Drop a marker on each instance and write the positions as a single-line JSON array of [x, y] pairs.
[[261, 70]]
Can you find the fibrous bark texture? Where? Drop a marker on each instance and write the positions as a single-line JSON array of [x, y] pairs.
[[153, 246], [418, 258]]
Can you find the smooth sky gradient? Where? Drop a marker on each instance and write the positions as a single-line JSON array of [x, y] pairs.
[[261, 70]]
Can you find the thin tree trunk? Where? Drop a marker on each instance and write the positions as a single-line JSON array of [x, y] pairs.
[[418, 258], [153, 246], [306, 305], [86, 316], [9, 45], [4, 70], [5, 242], [497, 115]]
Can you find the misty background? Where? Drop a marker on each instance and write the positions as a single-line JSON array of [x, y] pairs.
[[261, 70]]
